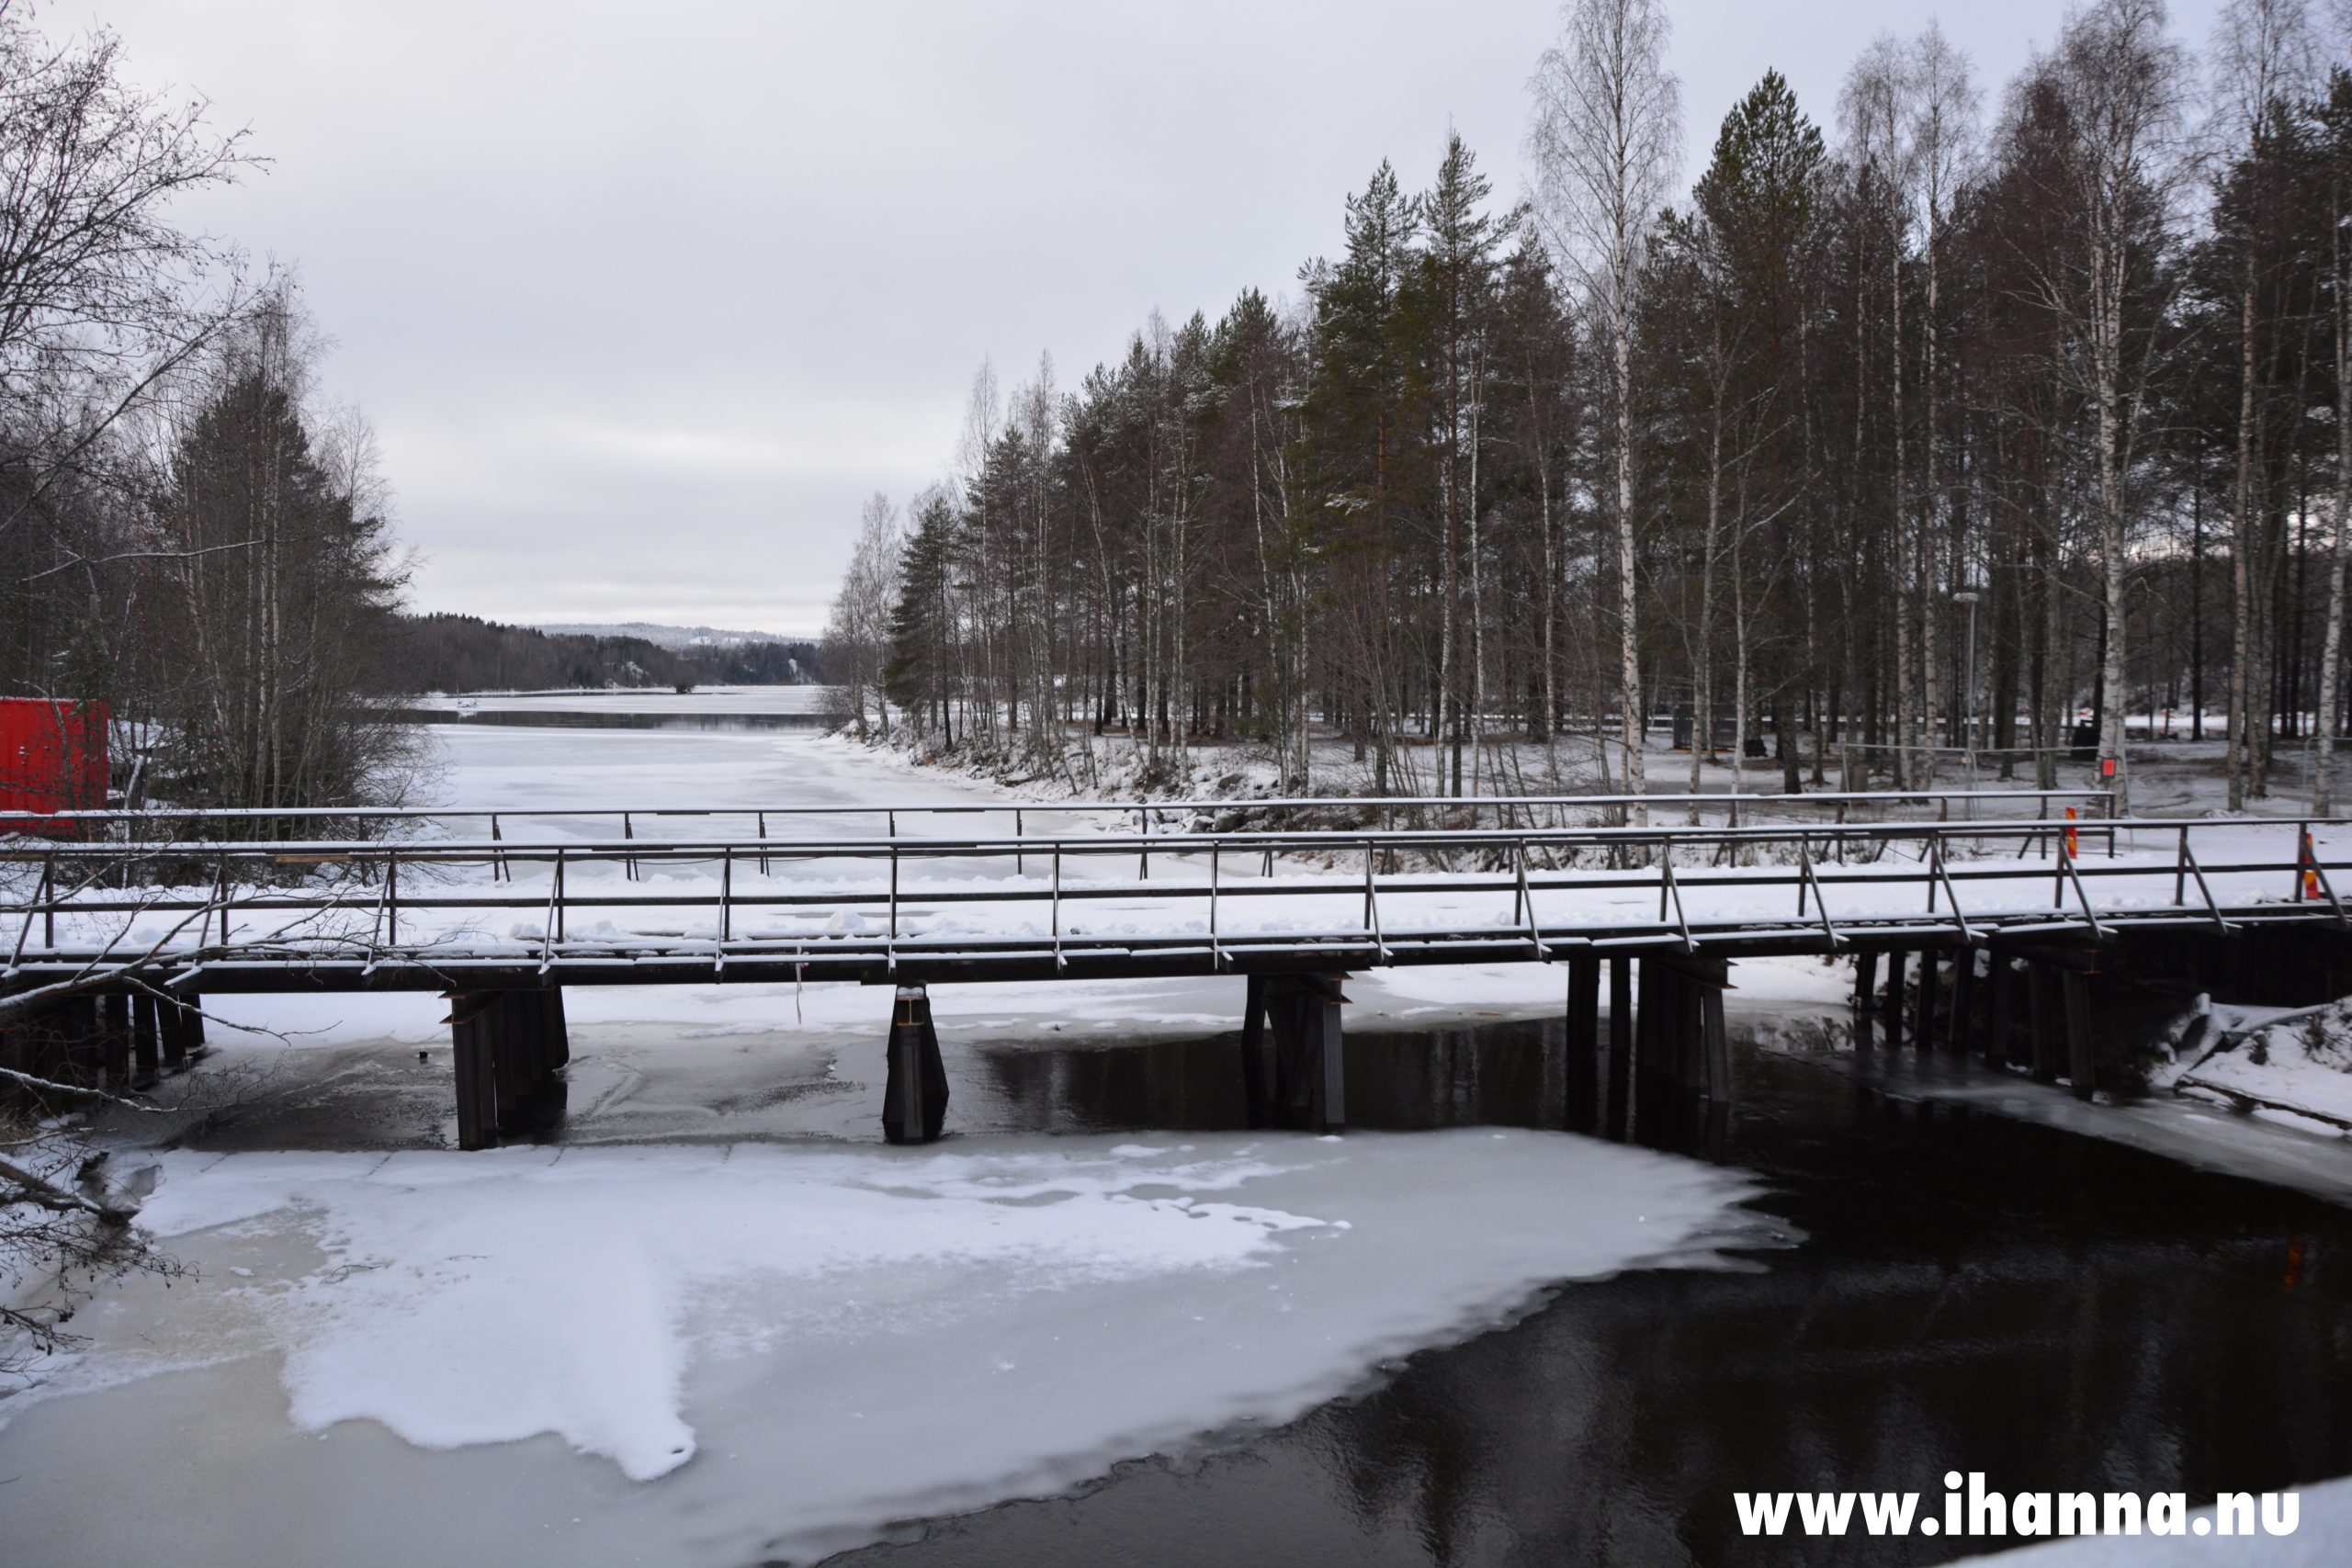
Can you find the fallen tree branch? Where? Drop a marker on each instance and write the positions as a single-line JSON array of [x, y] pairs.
[[43, 1193], [53, 1086]]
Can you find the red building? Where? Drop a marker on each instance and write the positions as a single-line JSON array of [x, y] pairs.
[[52, 757]]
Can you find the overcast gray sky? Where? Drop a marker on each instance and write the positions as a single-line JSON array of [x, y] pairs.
[[644, 299]]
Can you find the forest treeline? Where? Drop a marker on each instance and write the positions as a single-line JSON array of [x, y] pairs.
[[190, 532], [1917, 409], [461, 653]]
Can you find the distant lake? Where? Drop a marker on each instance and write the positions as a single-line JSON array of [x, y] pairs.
[[639, 707]]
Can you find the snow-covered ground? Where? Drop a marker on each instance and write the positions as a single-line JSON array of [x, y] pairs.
[[2298, 1062], [2171, 775]]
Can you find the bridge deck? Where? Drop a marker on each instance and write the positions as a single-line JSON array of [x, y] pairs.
[[479, 913]]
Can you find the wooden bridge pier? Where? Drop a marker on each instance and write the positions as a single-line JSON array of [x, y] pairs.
[[1962, 1016], [2081, 1062], [114, 1038], [1299, 1078], [1897, 980], [2045, 991], [146, 1044], [914, 1091], [1620, 1045], [180, 1025], [1579, 1108], [120, 1039], [1679, 1023], [507, 1045], [1865, 997], [2000, 1004]]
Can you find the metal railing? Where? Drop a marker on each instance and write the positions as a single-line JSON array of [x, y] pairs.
[[336, 912], [208, 824]]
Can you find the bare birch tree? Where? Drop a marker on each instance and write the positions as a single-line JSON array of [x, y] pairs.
[[1877, 106], [1943, 137], [1606, 141], [2323, 760], [2261, 50], [2122, 77], [857, 636]]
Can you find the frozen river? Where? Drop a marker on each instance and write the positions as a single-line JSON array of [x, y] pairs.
[[712, 1320]]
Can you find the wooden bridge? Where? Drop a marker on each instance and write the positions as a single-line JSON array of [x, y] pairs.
[[116, 933]]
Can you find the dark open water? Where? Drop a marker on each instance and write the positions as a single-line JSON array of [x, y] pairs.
[[1974, 1292]]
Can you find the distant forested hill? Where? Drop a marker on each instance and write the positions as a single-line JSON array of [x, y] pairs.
[[464, 653]]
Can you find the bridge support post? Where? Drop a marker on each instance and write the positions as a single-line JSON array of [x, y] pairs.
[[2080, 1063], [507, 1046], [1653, 1030], [914, 1089], [33, 1046], [1620, 1042], [2041, 1014], [1895, 965], [1998, 1005], [472, 1022], [146, 1048], [1930, 980], [114, 1038], [1865, 997], [1301, 1083], [1584, 1004], [1257, 1062], [1963, 1000], [182, 1024], [1580, 1061], [1684, 1046], [80, 1038], [1715, 1041], [1331, 1050]]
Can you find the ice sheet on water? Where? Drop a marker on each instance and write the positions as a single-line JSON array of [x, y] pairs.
[[899, 1333]]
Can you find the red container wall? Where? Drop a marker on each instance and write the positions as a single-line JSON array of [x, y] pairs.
[[52, 757]]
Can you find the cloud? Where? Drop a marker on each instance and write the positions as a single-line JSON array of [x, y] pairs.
[[649, 300]]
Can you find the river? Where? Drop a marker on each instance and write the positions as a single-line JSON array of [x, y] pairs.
[[707, 1319]]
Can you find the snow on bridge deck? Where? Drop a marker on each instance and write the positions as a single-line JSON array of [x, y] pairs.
[[932, 903]]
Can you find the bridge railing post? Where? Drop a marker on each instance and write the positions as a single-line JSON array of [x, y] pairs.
[[1216, 953]]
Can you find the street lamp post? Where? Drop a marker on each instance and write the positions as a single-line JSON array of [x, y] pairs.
[[1968, 596]]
